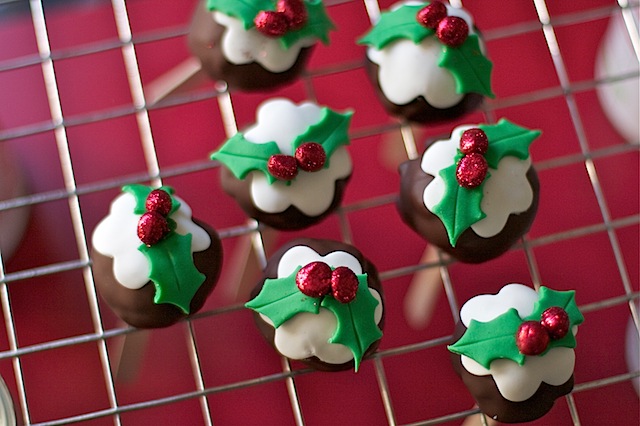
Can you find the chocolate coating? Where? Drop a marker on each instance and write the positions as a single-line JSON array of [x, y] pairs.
[[419, 110], [322, 247], [470, 247], [290, 219], [136, 307], [205, 43], [493, 404]]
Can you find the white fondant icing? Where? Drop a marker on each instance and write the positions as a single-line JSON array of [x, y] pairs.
[[506, 190], [408, 70], [486, 307], [516, 382], [240, 46], [306, 335], [116, 236], [519, 382], [281, 121]]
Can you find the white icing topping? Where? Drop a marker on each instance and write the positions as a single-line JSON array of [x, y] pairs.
[[306, 334], [281, 121], [487, 307], [519, 382], [516, 382], [506, 191], [240, 46], [408, 70], [116, 236]]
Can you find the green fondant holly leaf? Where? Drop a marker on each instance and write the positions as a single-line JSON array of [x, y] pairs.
[[459, 207], [244, 10], [397, 24], [141, 192], [331, 131], [318, 25], [241, 156], [565, 300], [356, 328], [470, 68], [172, 271], [486, 341], [507, 139], [280, 299]]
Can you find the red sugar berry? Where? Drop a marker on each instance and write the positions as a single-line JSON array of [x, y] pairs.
[[283, 167], [532, 338], [152, 227], [474, 140], [311, 156], [314, 279], [344, 284], [159, 201], [556, 321], [452, 31], [271, 23], [430, 15], [471, 170], [295, 11]]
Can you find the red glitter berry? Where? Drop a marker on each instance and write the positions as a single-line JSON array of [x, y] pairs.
[[295, 11], [430, 15], [152, 227], [474, 140], [311, 156], [344, 284], [314, 279], [452, 31], [283, 167], [271, 23], [471, 170], [556, 321], [532, 338], [159, 201]]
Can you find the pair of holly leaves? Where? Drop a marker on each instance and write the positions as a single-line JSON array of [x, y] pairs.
[[461, 207], [172, 271], [496, 339], [280, 299], [318, 23]]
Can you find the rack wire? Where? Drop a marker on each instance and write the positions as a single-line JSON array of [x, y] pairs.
[[552, 22]]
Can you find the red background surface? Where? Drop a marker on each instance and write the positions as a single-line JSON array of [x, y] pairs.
[[68, 381]]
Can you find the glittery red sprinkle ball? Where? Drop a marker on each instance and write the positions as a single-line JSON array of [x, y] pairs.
[[556, 321], [471, 170], [452, 31], [271, 23], [159, 201], [474, 140], [152, 227], [532, 338], [311, 156], [295, 11], [344, 284], [314, 279], [431, 15], [283, 167]]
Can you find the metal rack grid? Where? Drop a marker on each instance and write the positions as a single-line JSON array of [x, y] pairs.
[[140, 107]]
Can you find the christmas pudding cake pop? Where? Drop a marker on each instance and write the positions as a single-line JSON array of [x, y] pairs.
[[153, 264], [290, 168], [320, 302], [427, 61], [514, 350], [474, 194], [257, 44]]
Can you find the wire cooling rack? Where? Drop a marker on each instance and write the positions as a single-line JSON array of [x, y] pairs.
[[92, 99]]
